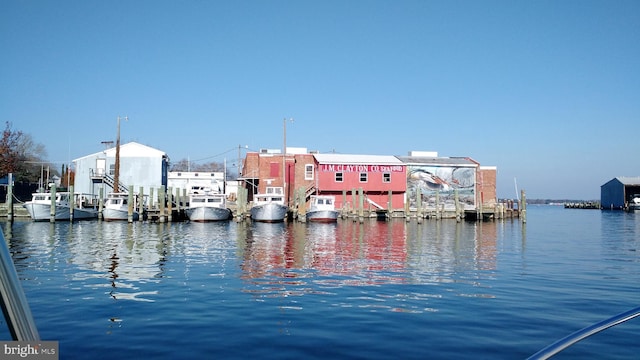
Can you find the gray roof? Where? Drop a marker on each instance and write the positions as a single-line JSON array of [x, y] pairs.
[[443, 161], [629, 180], [357, 159]]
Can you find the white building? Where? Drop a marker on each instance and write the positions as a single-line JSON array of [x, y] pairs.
[[140, 166], [186, 180]]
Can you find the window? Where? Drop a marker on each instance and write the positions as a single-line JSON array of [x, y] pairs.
[[339, 177], [386, 177], [308, 172], [112, 169], [363, 177]]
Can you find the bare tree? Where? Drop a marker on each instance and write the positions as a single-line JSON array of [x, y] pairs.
[[186, 165], [20, 155]]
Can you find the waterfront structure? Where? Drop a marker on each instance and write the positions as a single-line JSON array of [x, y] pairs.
[[378, 178], [381, 179], [435, 182], [141, 166], [616, 193], [386, 183], [272, 168]]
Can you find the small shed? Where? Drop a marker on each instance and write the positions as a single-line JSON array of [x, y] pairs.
[[616, 193]]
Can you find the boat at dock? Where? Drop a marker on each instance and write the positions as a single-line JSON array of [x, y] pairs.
[[207, 205], [116, 207], [269, 206], [634, 204], [322, 209], [84, 206]]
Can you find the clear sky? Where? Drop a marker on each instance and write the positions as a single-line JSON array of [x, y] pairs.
[[546, 91]]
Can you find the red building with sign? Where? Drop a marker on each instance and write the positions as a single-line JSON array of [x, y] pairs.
[[381, 178]]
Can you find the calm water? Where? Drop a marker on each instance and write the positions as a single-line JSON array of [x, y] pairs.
[[377, 290]]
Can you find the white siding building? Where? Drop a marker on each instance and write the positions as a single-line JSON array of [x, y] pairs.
[[140, 166]]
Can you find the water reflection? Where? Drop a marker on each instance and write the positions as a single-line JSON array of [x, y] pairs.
[[124, 250], [128, 261], [620, 232], [296, 259]]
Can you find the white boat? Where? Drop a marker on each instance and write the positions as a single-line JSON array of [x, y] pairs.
[[84, 206], [322, 209], [207, 205], [116, 207], [634, 204], [270, 206]]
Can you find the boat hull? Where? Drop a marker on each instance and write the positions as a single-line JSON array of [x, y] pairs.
[[85, 214], [325, 216], [42, 212], [203, 214], [269, 212], [109, 214]]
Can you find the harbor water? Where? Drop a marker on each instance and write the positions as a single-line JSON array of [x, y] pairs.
[[439, 289]]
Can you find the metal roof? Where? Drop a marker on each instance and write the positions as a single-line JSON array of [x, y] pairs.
[[455, 161], [128, 149], [357, 159], [629, 180]]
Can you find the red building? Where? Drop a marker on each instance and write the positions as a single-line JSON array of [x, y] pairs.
[[381, 178]]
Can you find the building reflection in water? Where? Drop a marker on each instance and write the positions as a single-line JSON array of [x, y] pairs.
[[278, 256]]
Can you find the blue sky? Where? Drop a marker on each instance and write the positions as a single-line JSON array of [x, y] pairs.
[[546, 91]]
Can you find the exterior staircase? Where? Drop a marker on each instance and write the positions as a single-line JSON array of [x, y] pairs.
[[109, 180]]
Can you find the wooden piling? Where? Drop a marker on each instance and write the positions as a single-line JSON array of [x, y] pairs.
[[9, 199], [438, 215], [52, 213], [407, 216], [457, 202], [141, 210], [177, 199], [419, 215], [169, 204], [100, 203], [390, 205], [130, 204], [361, 204], [354, 203], [72, 203], [344, 210], [523, 206], [161, 201]]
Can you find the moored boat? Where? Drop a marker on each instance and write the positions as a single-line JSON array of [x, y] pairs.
[[322, 209], [207, 205], [634, 204], [270, 206], [84, 206], [116, 207]]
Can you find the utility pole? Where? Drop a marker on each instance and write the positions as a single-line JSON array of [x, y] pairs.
[[116, 175], [284, 161]]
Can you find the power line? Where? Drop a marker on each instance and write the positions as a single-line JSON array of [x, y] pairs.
[[213, 156]]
